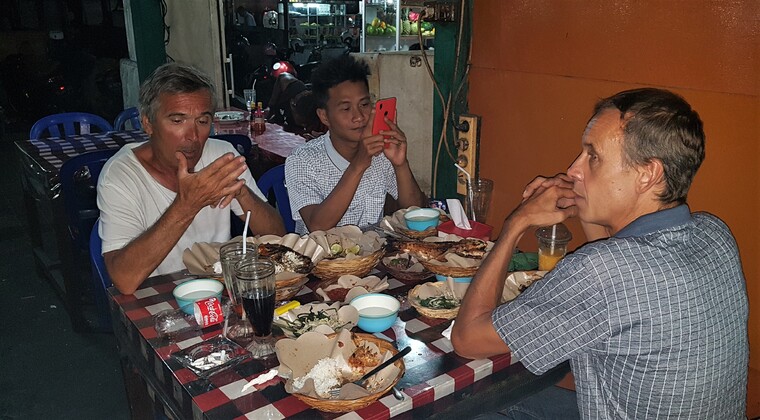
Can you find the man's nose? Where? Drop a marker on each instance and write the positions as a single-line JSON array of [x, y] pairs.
[[359, 115], [574, 170], [193, 132]]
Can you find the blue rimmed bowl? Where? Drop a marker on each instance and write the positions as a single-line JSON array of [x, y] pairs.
[[441, 277], [377, 311], [421, 219], [191, 291]]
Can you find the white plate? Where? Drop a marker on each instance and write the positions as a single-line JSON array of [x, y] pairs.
[[229, 116]]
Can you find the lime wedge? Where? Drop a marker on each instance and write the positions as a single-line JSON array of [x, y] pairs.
[[336, 249], [354, 250]]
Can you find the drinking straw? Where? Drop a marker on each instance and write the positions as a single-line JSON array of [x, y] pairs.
[[554, 235], [469, 190], [245, 228]]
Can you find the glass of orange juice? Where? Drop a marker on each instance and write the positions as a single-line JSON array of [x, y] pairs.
[[552, 245]]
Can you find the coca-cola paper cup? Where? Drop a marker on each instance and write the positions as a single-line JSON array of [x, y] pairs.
[[208, 312]]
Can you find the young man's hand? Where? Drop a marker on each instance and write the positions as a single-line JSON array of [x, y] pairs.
[[369, 146], [394, 143]]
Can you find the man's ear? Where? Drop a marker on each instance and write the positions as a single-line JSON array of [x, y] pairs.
[[322, 114], [651, 175], [147, 126]]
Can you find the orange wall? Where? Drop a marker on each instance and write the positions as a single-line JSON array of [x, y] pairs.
[[538, 67]]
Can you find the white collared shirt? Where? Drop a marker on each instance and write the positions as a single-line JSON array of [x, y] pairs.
[[313, 170]]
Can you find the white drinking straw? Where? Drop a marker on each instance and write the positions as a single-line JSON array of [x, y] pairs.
[[469, 190], [245, 228], [554, 235]]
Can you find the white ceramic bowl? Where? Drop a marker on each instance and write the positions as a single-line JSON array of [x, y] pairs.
[[192, 291], [421, 219], [377, 311]]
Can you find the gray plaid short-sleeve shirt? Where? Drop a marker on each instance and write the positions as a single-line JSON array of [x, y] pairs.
[[313, 170], [653, 321]]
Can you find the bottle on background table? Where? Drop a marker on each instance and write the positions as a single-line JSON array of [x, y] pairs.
[[259, 123]]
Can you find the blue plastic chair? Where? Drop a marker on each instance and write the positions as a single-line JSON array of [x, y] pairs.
[[131, 115], [100, 278], [241, 142], [79, 179], [72, 123], [273, 180]]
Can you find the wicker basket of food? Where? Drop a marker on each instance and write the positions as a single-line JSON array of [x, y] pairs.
[[332, 268], [449, 270], [437, 299], [405, 268], [361, 351], [349, 286], [348, 250], [293, 257], [288, 289]]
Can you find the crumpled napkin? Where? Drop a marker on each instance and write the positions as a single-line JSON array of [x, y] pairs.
[[456, 211], [447, 332]]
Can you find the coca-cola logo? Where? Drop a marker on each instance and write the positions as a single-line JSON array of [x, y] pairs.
[[211, 312]]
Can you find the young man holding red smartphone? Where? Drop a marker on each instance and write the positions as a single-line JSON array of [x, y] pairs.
[[348, 175]]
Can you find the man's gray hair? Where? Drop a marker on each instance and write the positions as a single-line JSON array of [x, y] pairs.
[[172, 78], [659, 124]]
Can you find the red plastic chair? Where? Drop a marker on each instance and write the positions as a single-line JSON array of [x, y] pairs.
[[68, 124]]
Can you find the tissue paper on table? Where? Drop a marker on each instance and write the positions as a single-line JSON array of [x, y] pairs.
[[458, 216]]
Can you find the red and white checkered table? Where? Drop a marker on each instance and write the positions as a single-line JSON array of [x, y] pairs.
[[275, 143], [435, 376]]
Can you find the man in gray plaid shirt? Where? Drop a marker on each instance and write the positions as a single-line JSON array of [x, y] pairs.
[[348, 176], [652, 312]]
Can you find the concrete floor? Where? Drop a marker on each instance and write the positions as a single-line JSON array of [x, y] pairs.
[[48, 371]]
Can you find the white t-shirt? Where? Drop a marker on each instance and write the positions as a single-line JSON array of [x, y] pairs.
[[131, 201]]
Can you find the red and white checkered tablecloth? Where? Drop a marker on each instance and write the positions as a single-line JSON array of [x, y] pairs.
[[277, 142], [433, 370]]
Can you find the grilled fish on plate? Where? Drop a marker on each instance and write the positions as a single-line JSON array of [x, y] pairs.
[[285, 259], [428, 250]]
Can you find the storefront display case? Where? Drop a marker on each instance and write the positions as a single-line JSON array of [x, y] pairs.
[[323, 25], [394, 25]]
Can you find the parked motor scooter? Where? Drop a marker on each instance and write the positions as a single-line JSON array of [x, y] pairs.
[[276, 62]]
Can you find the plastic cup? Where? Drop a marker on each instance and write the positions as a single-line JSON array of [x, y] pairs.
[[482, 191], [250, 98], [256, 285], [229, 255], [552, 245]]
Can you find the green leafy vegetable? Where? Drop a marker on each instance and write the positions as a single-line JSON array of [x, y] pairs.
[[439, 302], [307, 321]]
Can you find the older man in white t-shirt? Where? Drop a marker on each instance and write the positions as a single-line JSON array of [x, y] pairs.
[[159, 197]]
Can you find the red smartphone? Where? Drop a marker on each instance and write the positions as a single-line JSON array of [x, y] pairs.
[[383, 108]]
